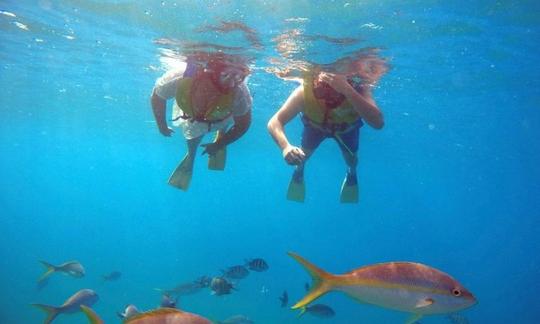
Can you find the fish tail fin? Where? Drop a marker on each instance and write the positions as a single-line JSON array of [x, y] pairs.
[[93, 318], [323, 281], [50, 270], [51, 312], [303, 310]]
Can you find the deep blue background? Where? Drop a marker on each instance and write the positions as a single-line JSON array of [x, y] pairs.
[[452, 180]]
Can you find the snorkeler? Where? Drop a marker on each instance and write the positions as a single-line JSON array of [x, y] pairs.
[[210, 95], [332, 105]]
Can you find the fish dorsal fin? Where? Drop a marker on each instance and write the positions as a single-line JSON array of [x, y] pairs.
[[414, 318], [424, 303], [156, 312]]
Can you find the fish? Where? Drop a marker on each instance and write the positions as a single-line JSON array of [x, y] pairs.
[[203, 281], [168, 301], [130, 311], [236, 319], [456, 318], [73, 304], [184, 289], [306, 286], [71, 268], [236, 272], [42, 284], [284, 298], [220, 286], [113, 276], [409, 287], [258, 265], [157, 316], [318, 310]]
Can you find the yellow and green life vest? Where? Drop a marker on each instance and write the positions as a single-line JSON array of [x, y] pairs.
[[320, 114], [218, 112]]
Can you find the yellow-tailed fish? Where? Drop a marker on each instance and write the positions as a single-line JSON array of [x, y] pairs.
[[73, 304], [157, 316], [167, 316], [404, 286]]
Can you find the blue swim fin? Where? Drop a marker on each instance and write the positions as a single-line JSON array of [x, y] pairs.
[[349, 189], [181, 176], [297, 188]]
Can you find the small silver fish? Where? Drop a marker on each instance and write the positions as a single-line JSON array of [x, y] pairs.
[[182, 289], [113, 276], [168, 301], [130, 311], [220, 286], [237, 319], [318, 310], [71, 268], [86, 297], [284, 298], [457, 318]]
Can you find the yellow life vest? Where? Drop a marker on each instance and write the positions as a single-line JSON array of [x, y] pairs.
[[320, 114], [220, 110]]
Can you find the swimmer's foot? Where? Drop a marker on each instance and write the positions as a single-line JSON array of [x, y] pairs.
[[297, 188], [349, 188], [181, 176]]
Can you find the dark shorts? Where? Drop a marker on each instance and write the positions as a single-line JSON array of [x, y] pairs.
[[313, 135]]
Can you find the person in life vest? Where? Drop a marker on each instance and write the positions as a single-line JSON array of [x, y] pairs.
[[331, 105], [210, 96]]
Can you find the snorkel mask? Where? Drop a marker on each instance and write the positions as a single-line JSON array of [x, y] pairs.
[[225, 75]]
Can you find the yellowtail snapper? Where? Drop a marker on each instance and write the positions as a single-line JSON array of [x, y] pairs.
[[73, 304], [70, 268], [405, 286]]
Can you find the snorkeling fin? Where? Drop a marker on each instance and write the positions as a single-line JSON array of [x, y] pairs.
[[297, 188], [217, 161], [181, 176], [349, 189]]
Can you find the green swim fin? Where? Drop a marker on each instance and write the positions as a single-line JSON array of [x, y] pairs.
[[297, 188], [217, 161], [349, 189], [181, 176]]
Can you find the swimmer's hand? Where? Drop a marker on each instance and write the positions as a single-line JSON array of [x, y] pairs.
[[337, 81], [211, 148], [294, 155], [166, 130]]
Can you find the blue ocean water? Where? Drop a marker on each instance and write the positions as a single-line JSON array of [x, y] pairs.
[[451, 181]]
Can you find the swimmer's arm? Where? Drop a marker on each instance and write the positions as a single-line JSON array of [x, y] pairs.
[[159, 106], [276, 125], [240, 127], [363, 103], [365, 106]]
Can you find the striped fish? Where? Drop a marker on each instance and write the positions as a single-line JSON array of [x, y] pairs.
[[404, 286], [257, 264]]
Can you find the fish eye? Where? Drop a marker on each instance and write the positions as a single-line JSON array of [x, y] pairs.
[[456, 292]]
